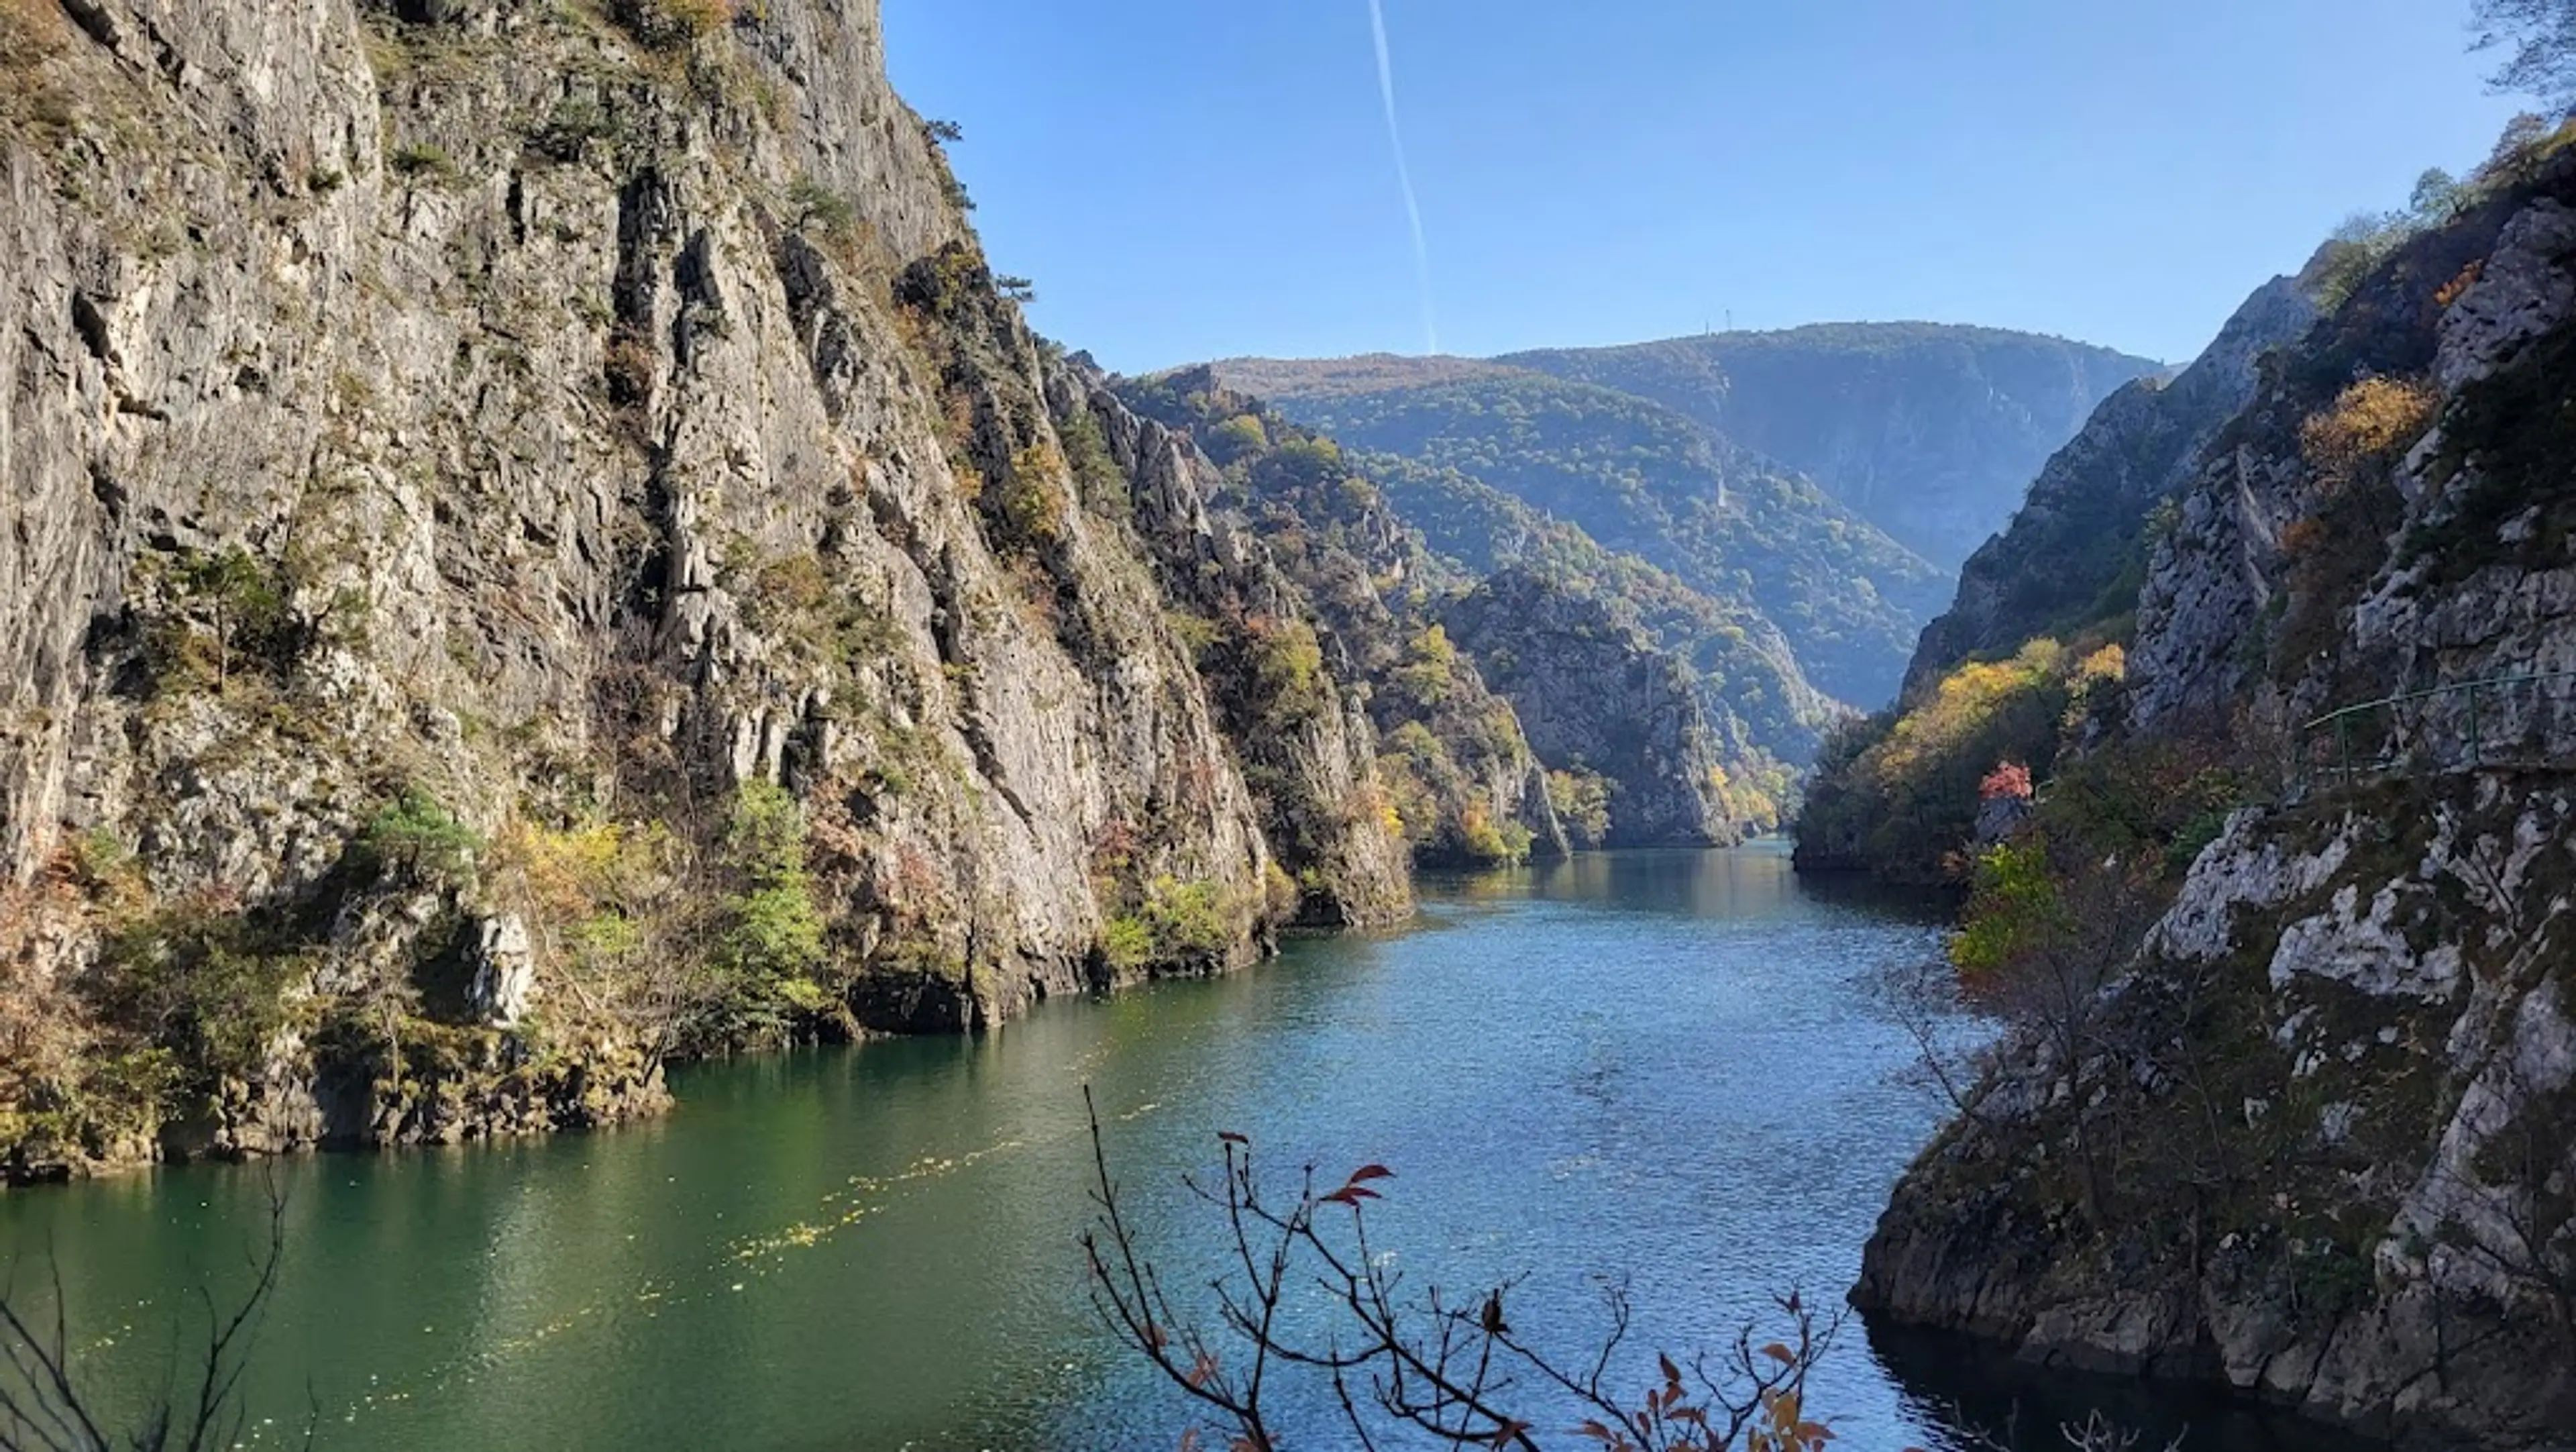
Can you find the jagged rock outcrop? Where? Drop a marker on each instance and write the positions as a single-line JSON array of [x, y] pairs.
[[1456, 760], [1750, 685], [2073, 551], [481, 458], [2331, 1101], [2313, 1140], [2453, 569], [1593, 692], [1304, 736]]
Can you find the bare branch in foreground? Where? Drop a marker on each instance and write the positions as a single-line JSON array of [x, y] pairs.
[[1403, 1364], [44, 1407]]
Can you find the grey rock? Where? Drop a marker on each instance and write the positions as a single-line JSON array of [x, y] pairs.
[[584, 478], [505, 971], [2087, 509], [1593, 692]]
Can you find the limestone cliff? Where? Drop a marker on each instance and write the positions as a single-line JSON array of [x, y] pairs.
[[532, 543], [1594, 693], [1460, 774], [2311, 1138], [2075, 550]]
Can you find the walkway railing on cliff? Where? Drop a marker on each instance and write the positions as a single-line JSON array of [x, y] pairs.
[[2401, 734]]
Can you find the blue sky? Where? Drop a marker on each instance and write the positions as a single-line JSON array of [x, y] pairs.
[[1193, 180]]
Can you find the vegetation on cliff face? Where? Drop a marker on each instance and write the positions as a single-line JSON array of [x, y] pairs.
[[1576, 660], [1899, 794], [1599, 700], [1646, 481], [2294, 1002], [2074, 556], [1748, 679], [1929, 431], [537, 542], [1461, 782]]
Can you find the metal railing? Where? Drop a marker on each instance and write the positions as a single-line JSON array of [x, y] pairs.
[[2351, 722]]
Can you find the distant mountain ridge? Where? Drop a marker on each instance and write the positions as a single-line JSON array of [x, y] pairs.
[[1649, 482], [1930, 431], [1783, 512]]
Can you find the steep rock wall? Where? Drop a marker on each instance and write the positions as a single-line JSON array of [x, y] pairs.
[[1593, 692], [457, 450], [2313, 1140], [2063, 556]]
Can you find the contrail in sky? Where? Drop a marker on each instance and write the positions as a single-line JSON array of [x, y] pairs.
[[1404, 173]]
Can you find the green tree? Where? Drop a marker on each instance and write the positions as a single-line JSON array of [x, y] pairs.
[[415, 834], [820, 207], [2436, 197], [770, 941], [238, 592]]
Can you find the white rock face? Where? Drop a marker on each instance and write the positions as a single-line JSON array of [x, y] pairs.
[[2364, 990], [2203, 616], [505, 971], [2365, 950], [2245, 867]]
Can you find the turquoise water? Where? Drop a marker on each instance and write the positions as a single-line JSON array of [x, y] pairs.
[[1667, 1066]]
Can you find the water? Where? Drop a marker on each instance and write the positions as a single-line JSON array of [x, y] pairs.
[[1671, 1067]]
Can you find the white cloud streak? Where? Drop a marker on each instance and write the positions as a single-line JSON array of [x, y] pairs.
[[1404, 173]]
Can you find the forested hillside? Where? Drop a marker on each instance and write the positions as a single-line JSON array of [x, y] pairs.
[[1927, 430], [1485, 797], [1645, 481]]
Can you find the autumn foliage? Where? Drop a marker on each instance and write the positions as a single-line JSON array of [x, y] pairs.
[[2374, 419], [2008, 780]]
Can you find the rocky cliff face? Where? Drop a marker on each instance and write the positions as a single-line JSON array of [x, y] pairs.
[[1279, 670], [1750, 685], [2312, 1140], [2294, 568], [1460, 774], [1594, 693], [465, 458], [2074, 552], [2327, 1109]]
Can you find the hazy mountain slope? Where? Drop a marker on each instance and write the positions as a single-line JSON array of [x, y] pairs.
[[1747, 676], [2076, 550], [1644, 480], [1929, 431]]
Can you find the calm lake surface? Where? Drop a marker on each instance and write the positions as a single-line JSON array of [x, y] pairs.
[[1671, 1065]]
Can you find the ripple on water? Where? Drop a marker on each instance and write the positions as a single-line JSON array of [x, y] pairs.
[[1670, 1066]]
